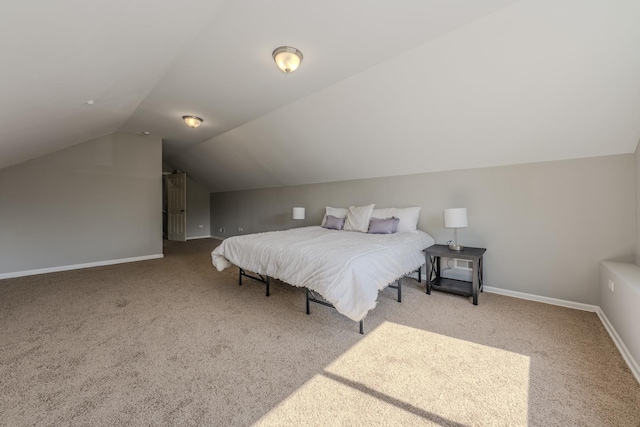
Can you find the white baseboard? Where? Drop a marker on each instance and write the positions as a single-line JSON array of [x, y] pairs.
[[217, 237], [208, 236], [77, 266], [546, 300], [624, 351]]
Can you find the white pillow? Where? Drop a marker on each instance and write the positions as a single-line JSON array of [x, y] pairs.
[[408, 217], [358, 218], [337, 212], [383, 213]]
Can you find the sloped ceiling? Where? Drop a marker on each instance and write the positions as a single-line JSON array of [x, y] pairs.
[[57, 55], [385, 88]]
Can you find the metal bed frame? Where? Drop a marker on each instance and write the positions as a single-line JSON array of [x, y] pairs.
[[263, 279], [315, 297]]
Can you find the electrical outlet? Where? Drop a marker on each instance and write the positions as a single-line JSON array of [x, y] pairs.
[[610, 285], [201, 226], [240, 229], [222, 230]]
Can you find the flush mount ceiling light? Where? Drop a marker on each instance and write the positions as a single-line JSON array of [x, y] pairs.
[[287, 58], [192, 121]]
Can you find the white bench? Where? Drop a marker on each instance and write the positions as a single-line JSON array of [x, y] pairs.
[[621, 306]]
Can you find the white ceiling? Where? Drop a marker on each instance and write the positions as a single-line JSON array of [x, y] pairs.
[[385, 88]]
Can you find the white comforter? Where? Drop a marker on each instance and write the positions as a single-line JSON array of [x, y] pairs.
[[346, 268]]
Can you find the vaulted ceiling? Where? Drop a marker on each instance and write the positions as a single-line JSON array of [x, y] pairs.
[[385, 88]]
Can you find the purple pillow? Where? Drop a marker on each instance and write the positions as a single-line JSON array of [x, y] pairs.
[[383, 226], [334, 223]]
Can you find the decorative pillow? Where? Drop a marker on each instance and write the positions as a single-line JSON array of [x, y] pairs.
[[333, 223], [383, 226], [337, 212], [358, 218], [408, 217]]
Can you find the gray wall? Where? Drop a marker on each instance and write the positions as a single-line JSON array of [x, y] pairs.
[[637, 207], [96, 201], [545, 225], [197, 210]]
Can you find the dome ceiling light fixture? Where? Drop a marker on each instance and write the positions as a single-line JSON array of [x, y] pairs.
[[192, 121], [287, 58]]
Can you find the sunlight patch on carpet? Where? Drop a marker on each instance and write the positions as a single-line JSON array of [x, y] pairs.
[[405, 376]]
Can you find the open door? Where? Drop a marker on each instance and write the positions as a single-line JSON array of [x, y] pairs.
[[177, 206]]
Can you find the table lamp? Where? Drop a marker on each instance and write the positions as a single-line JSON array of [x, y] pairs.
[[455, 218]]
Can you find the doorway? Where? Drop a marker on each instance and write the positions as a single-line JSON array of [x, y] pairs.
[[176, 211]]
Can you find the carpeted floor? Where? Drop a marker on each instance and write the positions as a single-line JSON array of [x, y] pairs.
[[174, 342]]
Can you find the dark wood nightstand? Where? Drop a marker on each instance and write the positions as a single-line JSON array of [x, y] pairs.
[[459, 287]]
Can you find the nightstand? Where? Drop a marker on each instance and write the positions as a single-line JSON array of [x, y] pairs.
[[459, 287]]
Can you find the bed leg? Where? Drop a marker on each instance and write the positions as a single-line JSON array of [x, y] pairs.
[[420, 274], [308, 311], [399, 290], [240, 276], [362, 327], [267, 282]]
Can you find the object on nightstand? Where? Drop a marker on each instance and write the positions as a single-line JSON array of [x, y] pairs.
[[298, 214], [455, 218]]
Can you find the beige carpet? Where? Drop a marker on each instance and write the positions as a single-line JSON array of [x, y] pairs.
[[174, 342]]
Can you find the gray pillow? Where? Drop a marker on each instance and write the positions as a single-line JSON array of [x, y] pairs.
[[383, 226], [334, 223]]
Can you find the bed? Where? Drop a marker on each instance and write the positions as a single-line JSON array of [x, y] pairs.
[[346, 268]]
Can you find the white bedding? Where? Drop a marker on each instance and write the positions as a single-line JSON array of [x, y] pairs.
[[347, 268]]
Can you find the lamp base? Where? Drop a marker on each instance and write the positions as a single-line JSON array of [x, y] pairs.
[[453, 247]]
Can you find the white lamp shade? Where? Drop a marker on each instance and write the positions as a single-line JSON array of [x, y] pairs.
[[298, 213], [455, 218]]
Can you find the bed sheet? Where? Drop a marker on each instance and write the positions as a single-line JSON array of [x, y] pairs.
[[346, 268]]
